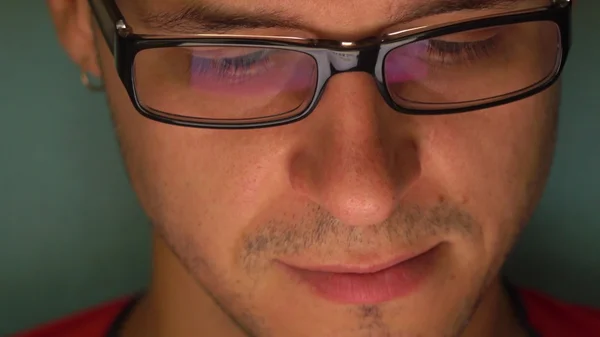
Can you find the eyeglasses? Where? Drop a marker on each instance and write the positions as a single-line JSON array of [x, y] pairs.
[[238, 82]]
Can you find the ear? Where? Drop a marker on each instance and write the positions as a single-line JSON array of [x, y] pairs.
[[73, 21]]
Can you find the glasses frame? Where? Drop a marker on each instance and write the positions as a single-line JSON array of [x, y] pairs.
[[369, 55]]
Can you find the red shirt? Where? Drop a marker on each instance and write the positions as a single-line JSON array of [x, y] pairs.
[[545, 316], [96, 322]]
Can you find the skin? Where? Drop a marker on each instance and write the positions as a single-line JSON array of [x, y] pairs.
[[354, 181]]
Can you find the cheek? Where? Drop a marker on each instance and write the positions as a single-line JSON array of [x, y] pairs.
[[495, 163], [186, 180], [201, 188], [206, 186], [184, 175]]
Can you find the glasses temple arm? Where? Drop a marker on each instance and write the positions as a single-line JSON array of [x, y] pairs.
[[109, 19]]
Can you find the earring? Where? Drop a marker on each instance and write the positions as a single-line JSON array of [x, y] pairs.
[[87, 82]]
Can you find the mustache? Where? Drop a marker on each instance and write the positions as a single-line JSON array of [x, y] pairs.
[[319, 231]]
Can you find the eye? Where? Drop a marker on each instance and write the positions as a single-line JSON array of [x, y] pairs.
[[232, 64], [471, 46], [444, 51], [243, 61]]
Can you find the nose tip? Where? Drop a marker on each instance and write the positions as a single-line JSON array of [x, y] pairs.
[[362, 165], [367, 190], [359, 185], [360, 202]]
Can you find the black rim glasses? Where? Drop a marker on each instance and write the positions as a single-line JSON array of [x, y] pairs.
[[238, 82]]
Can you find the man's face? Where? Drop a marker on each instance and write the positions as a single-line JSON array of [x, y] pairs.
[[353, 187]]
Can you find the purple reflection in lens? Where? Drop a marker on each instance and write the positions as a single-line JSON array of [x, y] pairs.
[[405, 63], [291, 73]]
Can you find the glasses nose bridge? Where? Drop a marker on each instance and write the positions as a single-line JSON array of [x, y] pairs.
[[366, 59], [353, 60]]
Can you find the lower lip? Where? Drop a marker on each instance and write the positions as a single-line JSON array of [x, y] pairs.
[[394, 282]]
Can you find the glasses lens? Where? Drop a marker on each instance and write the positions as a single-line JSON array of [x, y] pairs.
[[470, 67], [225, 83]]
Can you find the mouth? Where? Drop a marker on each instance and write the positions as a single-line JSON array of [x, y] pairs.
[[368, 283]]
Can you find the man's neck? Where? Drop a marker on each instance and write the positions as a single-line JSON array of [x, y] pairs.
[[496, 315], [176, 306]]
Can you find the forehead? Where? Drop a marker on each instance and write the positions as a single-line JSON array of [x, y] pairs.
[[348, 18]]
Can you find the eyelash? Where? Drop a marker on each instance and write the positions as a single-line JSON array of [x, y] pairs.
[[235, 69], [448, 53], [241, 68]]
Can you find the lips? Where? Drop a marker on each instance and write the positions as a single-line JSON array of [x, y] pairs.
[[368, 284]]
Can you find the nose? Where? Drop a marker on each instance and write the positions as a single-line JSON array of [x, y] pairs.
[[361, 157]]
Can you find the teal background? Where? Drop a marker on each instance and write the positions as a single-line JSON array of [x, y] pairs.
[[72, 233]]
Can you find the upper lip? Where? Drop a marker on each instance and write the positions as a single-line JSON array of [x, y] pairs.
[[359, 268]]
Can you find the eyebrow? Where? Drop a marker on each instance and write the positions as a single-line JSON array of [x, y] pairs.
[[214, 18], [438, 7]]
